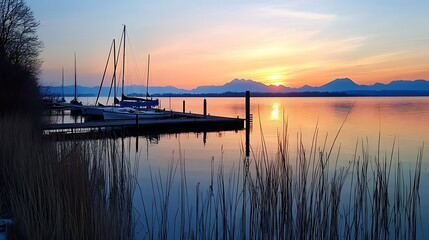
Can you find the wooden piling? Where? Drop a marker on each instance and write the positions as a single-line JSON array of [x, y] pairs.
[[246, 160], [137, 122], [205, 108], [184, 106], [137, 133], [247, 123], [204, 137]]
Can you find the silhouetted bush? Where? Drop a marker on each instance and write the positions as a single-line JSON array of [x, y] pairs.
[[19, 93]]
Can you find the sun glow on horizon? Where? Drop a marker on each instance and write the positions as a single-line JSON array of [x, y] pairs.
[[275, 80], [296, 44], [274, 77]]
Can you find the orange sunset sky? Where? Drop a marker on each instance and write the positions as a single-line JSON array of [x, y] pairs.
[[194, 43]]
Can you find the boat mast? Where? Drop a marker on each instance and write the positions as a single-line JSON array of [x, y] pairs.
[[114, 72], [147, 78], [123, 65], [75, 81], [62, 83]]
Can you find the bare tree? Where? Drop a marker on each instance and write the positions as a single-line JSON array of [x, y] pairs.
[[19, 60], [19, 44]]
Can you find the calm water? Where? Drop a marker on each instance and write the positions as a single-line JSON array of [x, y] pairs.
[[400, 122]]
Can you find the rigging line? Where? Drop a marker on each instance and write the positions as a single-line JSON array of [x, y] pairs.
[[113, 81], [123, 62], [104, 73], [148, 75], [114, 74], [116, 64], [139, 76]]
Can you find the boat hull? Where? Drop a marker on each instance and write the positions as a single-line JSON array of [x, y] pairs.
[[139, 104], [92, 111], [112, 115]]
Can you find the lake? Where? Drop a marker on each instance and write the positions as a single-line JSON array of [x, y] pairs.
[[379, 124]]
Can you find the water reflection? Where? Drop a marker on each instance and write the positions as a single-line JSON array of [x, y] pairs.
[[342, 107], [275, 111], [402, 118]]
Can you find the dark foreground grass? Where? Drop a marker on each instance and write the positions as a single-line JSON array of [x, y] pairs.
[[64, 190], [84, 190], [307, 195]]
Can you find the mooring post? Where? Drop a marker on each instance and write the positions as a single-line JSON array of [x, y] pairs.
[[247, 123], [205, 107], [184, 104], [204, 138], [246, 160], [137, 132], [137, 122]]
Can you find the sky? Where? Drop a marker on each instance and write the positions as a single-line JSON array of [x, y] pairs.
[[195, 43]]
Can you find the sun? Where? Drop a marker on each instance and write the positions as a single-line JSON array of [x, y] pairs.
[[274, 77], [274, 80]]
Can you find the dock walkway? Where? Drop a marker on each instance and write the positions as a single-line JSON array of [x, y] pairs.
[[179, 122]]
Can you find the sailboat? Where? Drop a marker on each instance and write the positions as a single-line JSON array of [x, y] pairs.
[[74, 101], [74, 104], [138, 102], [62, 100], [123, 113], [96, 111], [58, 101], [135, 102], [132, 107]]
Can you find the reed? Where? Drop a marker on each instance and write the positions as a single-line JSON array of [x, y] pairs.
[[310, 194], [84, 190], [65, 190]]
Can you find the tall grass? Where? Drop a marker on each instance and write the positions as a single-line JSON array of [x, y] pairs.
[[65, 190], [84, 190], [307, 194]]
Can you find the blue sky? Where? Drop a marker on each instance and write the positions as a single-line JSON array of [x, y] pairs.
[[196, 43]]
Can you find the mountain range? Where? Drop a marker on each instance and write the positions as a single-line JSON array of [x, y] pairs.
[[339, 85]]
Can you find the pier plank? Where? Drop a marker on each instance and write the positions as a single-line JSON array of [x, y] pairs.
[[178, 120]]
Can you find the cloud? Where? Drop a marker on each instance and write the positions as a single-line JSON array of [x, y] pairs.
[[277, 11], [381, 58]]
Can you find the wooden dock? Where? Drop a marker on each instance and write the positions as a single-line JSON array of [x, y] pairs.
[[178, 122]]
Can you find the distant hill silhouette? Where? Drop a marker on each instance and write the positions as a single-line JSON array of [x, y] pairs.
[[345, 85], [341, 84], [403, 85], [240, 85]]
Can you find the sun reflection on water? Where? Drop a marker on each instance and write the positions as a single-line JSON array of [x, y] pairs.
[[275, 111]]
